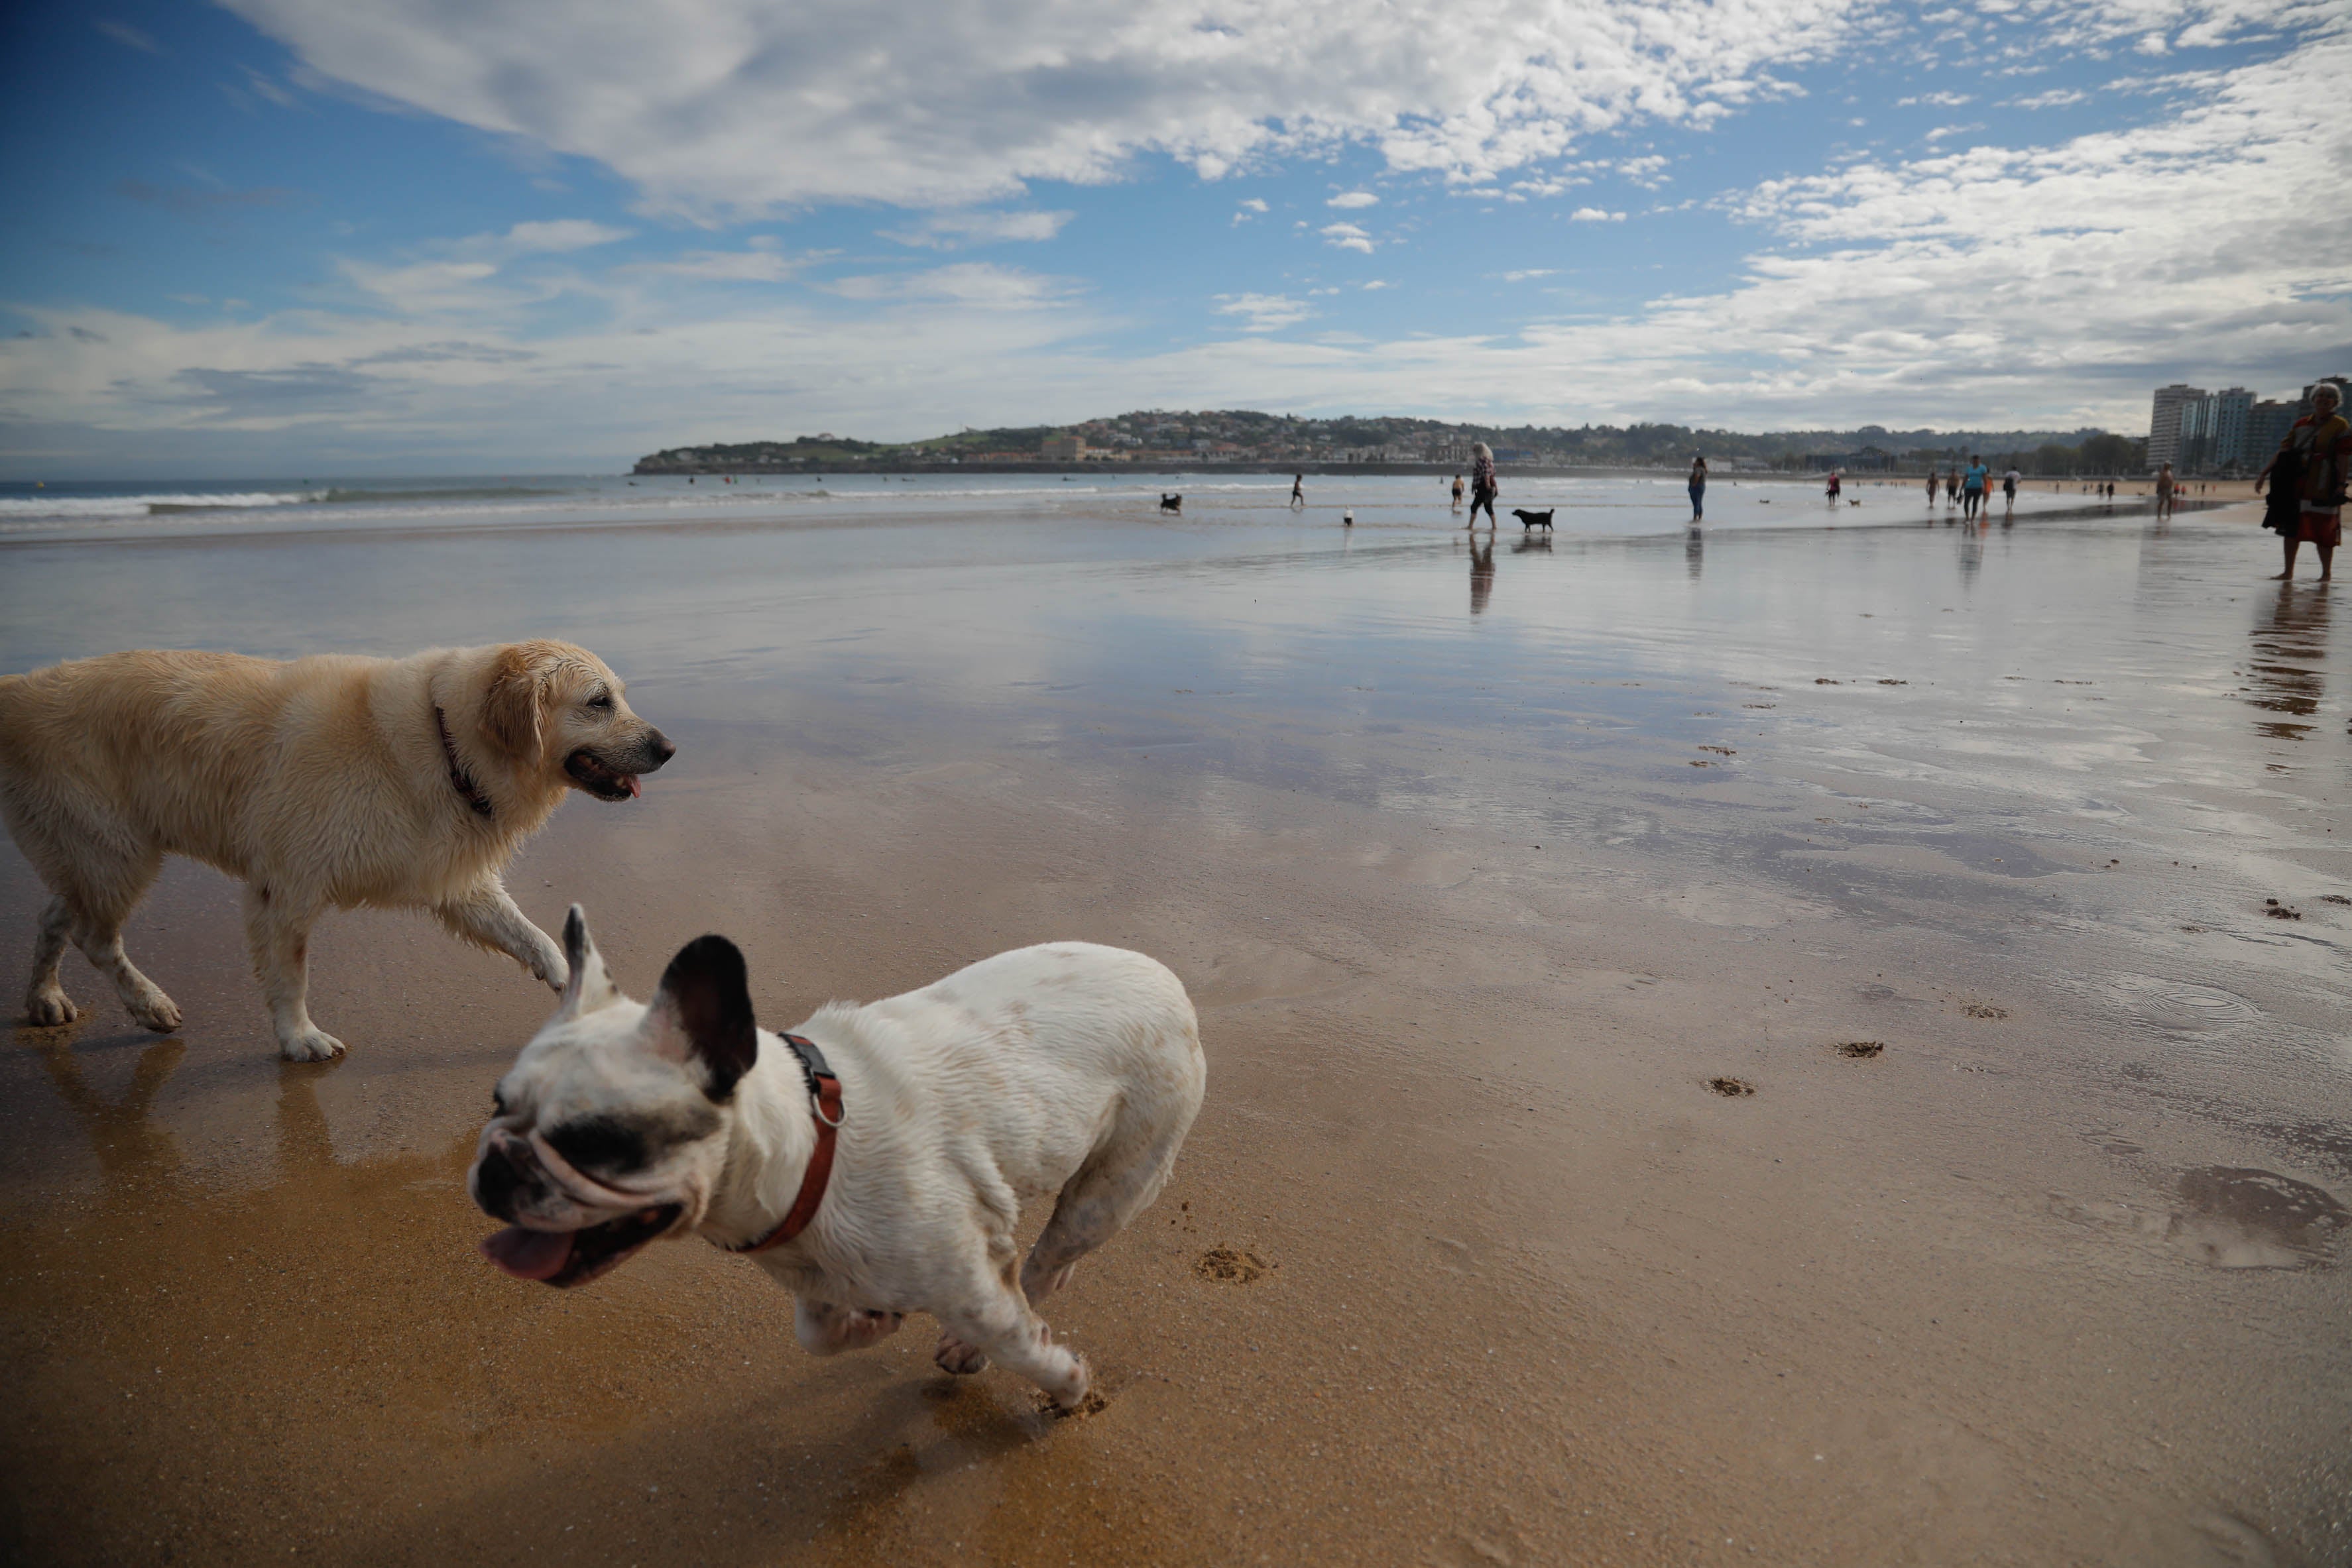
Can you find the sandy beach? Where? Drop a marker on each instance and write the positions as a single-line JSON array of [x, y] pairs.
[[1761, 1046]]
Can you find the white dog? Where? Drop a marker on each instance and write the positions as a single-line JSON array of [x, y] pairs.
[[327, 782], [874, 1160]]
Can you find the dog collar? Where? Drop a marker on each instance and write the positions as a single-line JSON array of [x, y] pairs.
[[459, 779], [825, 1110]]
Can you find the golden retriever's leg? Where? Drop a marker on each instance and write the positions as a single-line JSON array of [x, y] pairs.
[[278, 930], [94, 916], [488, 918], [46, 1002]]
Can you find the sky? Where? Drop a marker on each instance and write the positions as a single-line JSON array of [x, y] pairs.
[[358, 236]]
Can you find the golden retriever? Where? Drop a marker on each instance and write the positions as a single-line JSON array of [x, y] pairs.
[[326, 782]]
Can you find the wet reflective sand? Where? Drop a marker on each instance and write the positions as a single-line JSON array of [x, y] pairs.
[[1483, 865]]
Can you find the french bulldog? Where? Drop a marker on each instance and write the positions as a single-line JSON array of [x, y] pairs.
[[874, 1160]]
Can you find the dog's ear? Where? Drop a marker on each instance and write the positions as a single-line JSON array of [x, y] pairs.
[[703, 1013], [589, 987], [516, 701]]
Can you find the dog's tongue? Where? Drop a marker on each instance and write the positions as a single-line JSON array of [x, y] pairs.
[[630, 780], [528, 1254]]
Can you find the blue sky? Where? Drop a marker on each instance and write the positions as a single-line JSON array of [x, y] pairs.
[[384, 236]]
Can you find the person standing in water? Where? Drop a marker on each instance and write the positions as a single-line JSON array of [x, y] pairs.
[[1972, 487], [1952, 486], [1699, 488], [2311, 467], [1832, 489], [1931, 483], [1482, 484], [2009, 488], [1457, 492], [2164, 487], [1299, 490]]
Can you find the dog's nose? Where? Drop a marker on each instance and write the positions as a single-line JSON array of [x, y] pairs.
[[495, 1182], [663, 748]]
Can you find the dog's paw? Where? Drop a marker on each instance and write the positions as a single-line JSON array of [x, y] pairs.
[[860, 1328], [311, 1045], [157, 1011], [955, 1356], [48, 1009]]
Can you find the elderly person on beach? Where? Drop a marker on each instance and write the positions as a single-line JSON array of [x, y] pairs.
[[1482, 484], [2311, 466]]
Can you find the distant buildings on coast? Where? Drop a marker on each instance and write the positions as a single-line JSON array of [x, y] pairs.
[[2227, 432], [1247, 439]]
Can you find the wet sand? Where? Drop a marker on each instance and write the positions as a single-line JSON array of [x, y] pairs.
[[1484, 866]]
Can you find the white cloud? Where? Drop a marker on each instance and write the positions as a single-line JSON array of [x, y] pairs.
[[124, 33], [2056, 98], [1527, 272], [1265, 313], [1347, 236], [720, 107], [764, 265], [971, 283], [560, 234], [1595, 215], [1353, 199], [1371, 283], [954, 230]]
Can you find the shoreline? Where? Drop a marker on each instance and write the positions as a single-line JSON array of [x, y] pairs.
[[1482, 866]]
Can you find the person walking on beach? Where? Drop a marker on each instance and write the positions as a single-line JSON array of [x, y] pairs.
[[2311, 466], [2164, 487], [1972, 487], [1699, 488], [1931, 485], [1457, 492], [1831, 492], [1298, 490], [1482, 485], [2008, 489], [1952, 486]]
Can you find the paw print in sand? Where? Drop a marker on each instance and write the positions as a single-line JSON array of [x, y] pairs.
[[1229, 1266]]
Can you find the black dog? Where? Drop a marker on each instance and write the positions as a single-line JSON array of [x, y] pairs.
[[1532, 520], [1171, 503]]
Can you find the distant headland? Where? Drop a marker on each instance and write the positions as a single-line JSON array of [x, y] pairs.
[[1249, 441]]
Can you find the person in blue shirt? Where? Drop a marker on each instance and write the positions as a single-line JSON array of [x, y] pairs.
[[1972, 487]]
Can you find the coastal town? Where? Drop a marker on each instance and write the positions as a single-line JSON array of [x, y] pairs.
[[1249, 441]]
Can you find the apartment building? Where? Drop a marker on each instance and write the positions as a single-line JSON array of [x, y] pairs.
[[2164, 421]]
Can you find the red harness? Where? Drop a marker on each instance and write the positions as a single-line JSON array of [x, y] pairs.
[[825, 1110]]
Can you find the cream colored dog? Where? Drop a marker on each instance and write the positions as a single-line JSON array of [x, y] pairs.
[[874, 1160], [327, 782]]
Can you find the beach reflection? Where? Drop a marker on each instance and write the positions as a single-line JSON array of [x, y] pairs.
[[1482, 575], [2289, 663], [132, 1148]]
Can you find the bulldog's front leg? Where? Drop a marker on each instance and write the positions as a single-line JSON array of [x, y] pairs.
[[824, 1329], [996, 1322]]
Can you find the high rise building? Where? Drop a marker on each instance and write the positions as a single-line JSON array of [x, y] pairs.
[[2213, 432], [2266, 426], [2164, 421]]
